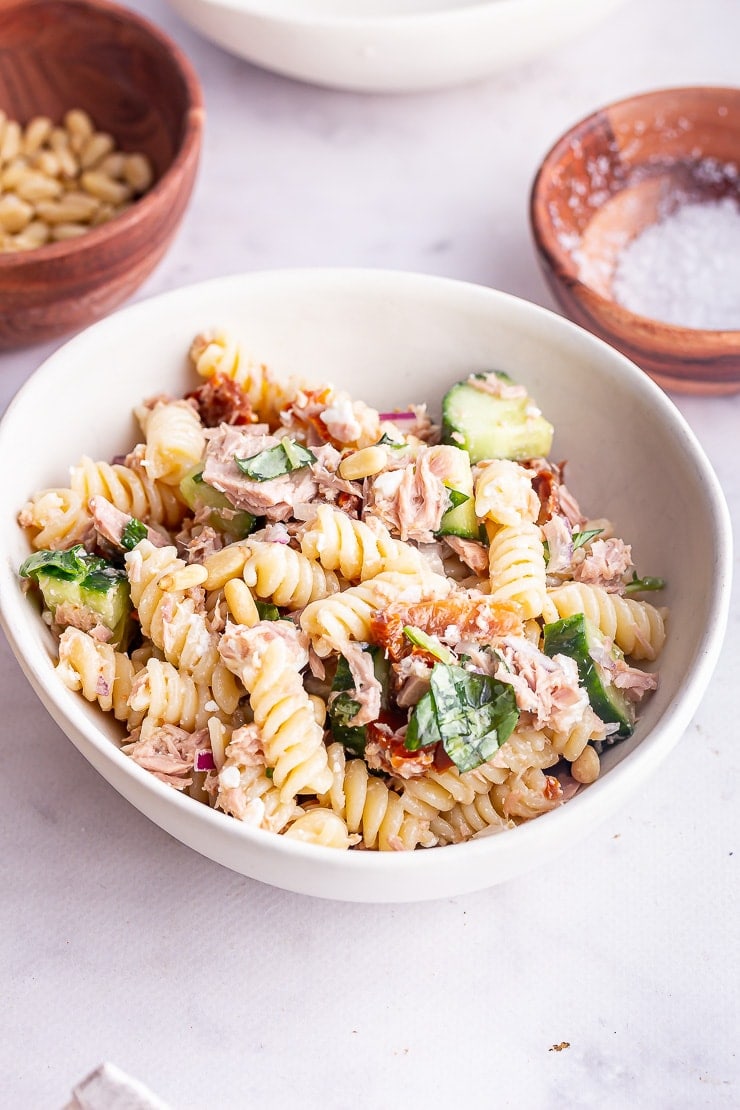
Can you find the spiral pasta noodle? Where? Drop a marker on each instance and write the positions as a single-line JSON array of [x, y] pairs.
[[346, 616], [130, 489], [171, 697], [56, 519], [101, 674], [217, 354], [517, 567], [635, 626], [358, 551], [175, 440], [322, 827], [167, 616], [370, 808], [289, 579], [292, 739]]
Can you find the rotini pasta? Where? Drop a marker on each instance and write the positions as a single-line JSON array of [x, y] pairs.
[[130, 489], [277, 573], [635, 626], [340, 542], [175, 440], [326, 624], [517, 567]]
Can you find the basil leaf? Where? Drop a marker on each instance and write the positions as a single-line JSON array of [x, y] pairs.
[[274, 462], [267, 611], [636, 585], [471, 714], [73, 565], [132, 534], [581, 538], [457, 497]]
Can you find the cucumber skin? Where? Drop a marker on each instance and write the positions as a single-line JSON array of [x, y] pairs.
[[501, 428], [461, 521], [569, 636]]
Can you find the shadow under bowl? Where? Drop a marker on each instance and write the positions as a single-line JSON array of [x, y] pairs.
[[611, 176], [135, 84]]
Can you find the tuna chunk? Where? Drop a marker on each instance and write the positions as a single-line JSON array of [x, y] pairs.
[[274, 498]]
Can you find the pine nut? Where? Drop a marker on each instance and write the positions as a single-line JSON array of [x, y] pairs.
[[80, 128], [186, 578], [586, 768], [104, 188], [36, 134], [138, 172], [114, 165], [61, 232], [363, 464], [70, 208], [15, 214], [225, 564], [10, 141], [35, 235], [241, 603], [95, 149], [56, 182]]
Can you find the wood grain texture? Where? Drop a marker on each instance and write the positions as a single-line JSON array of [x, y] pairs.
[[137, 85], [604, 182]]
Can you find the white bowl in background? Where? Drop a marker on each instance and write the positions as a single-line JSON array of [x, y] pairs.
[[390, 339], [391, 45]]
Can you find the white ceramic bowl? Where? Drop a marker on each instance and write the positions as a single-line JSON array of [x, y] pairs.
[[390, 338], [391, 45]]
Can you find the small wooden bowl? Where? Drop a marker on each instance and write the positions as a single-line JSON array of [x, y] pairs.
[[137, 85], [606, 180]]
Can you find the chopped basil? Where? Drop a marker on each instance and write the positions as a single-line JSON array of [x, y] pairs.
[[269, 772], [637, 585], [578, 539], [276, 461], [470, 714], [343, 707], [457, 497], [387, 441], [267, 611], [581, 538], [422, 639], [74, 565], [132, 534]]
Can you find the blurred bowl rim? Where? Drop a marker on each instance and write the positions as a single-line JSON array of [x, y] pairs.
[[544, 242], [188, 147]]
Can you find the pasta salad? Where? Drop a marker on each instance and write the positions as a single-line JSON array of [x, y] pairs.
[[358, 629]]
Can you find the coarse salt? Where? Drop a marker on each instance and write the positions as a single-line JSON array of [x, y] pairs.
[[685, 269]]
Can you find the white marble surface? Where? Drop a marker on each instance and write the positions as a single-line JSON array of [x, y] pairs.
[[120, 944]]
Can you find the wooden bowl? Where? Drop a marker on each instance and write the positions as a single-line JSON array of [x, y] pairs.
[[137, 85], [606, 180]]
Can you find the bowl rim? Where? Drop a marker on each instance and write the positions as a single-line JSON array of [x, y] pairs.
[[437, 20], [187, 149], [545, 237], [588, 806]]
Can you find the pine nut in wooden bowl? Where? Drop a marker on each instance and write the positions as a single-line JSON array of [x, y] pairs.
[[635, 213], [101, 119]]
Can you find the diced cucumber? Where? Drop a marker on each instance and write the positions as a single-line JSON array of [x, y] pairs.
[[494, 427], [106, 596], [223, 516], [577, 637], [85, 582], [460, 520]]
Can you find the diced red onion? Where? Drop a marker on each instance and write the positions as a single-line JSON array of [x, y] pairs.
[[204, 760], [398, 416]]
